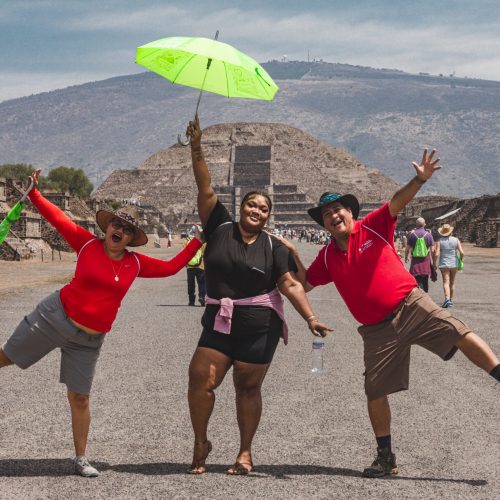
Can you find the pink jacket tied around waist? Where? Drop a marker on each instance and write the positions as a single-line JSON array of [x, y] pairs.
[[273, 300]]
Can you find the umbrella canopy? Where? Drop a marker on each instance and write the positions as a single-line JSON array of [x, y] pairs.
[[11, 217], [209, 65]]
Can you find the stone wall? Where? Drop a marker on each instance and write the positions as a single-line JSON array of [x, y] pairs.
[[476, 220]]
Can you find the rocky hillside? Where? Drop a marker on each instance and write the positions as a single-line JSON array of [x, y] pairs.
[[384, 117], [166, 181]]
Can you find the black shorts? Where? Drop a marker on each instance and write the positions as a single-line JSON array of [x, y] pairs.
[[255, 333]]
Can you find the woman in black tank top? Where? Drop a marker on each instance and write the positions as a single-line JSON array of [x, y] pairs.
[[241, 261]]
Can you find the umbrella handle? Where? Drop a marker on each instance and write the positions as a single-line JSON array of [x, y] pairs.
[[183, 142], [30, 187]]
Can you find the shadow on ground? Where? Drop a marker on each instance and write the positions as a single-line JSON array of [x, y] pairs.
[[63, 467]]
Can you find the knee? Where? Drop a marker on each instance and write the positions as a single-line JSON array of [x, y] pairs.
[[200, 380], [80, 401], [247, 391]]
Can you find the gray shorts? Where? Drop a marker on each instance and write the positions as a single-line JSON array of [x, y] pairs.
[[48, 327]]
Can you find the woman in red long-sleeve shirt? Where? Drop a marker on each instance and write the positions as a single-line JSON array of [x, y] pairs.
[[77, 318]]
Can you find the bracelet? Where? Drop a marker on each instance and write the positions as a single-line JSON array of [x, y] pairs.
[[419, 180], [311, 317]]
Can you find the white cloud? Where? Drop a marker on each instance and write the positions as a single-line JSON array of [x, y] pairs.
[[470, 49]]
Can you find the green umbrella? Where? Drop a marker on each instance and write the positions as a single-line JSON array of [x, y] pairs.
[[13, 215], [207, 65]]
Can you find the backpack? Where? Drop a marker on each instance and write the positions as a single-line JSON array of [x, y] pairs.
[[420, 248]]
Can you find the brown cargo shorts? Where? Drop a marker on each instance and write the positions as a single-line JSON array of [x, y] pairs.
[[418, 320]]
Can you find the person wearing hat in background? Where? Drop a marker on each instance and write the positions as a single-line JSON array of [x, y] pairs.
[[382, 295], [447, 249], [77, 317], [420, 244]]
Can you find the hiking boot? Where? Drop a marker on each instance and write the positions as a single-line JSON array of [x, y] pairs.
[[384, 464], [83, 468], [201, 301]]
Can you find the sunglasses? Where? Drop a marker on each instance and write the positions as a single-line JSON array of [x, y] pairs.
[[126, 228]]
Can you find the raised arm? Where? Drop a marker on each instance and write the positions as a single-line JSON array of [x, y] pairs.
[[206, 195], [75, 235], [424, 172]]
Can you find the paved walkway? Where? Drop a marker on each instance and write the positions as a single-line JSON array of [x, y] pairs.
[[314, 436]]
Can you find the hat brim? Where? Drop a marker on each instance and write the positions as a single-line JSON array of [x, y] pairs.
[[103, 218], [445, 233], [348, 201]]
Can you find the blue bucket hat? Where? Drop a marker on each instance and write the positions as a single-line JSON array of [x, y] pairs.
[[346, 200]]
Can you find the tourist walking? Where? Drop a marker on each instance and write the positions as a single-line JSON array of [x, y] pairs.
[[77, 317], [448, 249], [420, 246], [380, 293], [243, 321]]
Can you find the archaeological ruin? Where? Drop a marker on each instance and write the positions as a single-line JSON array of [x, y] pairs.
[[290, 165]]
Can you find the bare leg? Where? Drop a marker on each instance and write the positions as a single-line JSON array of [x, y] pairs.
[[453, 274], [478, 351], [207, 370], [380, 416], [80, 420], [248, 379], [445, 273], [4, 360]]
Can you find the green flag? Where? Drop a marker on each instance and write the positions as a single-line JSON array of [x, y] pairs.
[[10, 218]]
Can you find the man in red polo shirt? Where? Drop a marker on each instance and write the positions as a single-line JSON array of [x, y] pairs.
[[383, 296]]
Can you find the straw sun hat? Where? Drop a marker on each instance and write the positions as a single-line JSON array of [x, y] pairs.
[[127, 214], [445, 230]]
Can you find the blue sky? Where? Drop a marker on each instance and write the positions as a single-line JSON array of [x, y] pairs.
[[49, 44]]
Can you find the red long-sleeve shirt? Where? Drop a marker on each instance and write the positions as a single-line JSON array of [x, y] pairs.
[[93, 297]]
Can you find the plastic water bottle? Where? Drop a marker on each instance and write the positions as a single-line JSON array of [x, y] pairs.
[[318, 348]]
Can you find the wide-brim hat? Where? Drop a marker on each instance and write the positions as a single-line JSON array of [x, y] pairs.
[[346, 200], [445, 230], [126, 214]]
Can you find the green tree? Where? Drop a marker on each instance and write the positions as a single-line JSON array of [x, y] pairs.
[[17, 171], [21, 172], [71, 179]]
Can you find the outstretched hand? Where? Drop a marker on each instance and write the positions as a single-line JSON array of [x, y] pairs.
[[427, 166], [34, 177], [193, 131], [287, 243]]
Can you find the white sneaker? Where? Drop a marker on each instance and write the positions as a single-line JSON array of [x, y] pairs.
[[83, 468]]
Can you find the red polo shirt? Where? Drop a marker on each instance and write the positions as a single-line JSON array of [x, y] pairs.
[[370, 276]]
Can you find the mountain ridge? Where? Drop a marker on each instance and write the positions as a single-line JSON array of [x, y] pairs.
[[384, 117]]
